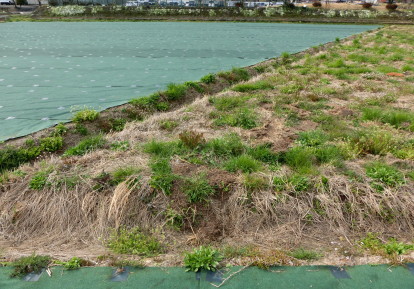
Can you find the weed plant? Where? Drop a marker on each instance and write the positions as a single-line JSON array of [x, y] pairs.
[[134, 241], [175, 91], [86, 114], [254, 182], [392, 247], [235, 75], [231, 252], [264, 154], [81, 129], [258, 85], [162, 149], [60, 130], [243, 163], [372, 141], [312, 138], [51, 144], [85, 146], [384, 174], [194, 85], [197, 189], [294, 184], [205, 258], [227, 146], [162, 177], [73, 264], [303, 254], [244, 117], [209, 78], [395, 117], [40, 180], [168, 125], [122, 174], [29, 264], [228, 103], [174, 218], [11, 157], [120, 145]]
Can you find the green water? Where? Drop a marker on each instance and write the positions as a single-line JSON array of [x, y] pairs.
[[48, 69]]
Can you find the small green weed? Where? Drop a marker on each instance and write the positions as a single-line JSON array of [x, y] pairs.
[[235, 75], [175, 91], [303, 254], [227, 103], [209, 78], [39, 180], [60, 130], [395, 117], [195, 85], [81, 129], [227, 146], [205, 258], [122, 174], [299, 183], [312, 138], [254, 182], [162, 177], [117, 124], [147, 103], [392, 247], [11, 157], [85, 146], [174, 218], [33, 263], [231, 252], [243, 117], [133, 241], [260, 69], [291, 89], [385, 174], [258, 85], [264, 154], [86, 114], [168, 125], [73, 264], [243, 163], [372, 141], [162, 149], [120, 145], [300, 158], [51, 144], [197, 189]]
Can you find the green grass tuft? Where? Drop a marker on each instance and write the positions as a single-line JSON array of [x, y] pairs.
[[86, 146], [197, 189], [243, 163], [246, 87], [385, 174]]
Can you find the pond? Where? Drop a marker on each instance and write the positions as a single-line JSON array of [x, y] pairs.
[[49, 69]]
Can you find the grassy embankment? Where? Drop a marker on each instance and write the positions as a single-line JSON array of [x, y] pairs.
[[313, 152]]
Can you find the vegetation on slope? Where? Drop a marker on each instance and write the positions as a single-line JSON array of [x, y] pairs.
[[314, 151]]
